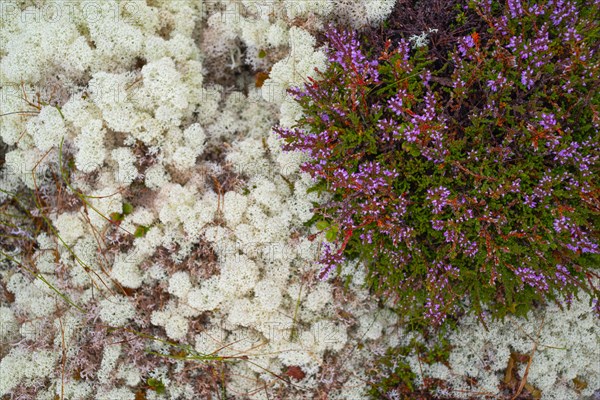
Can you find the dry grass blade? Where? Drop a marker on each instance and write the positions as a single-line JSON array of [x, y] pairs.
[[63, 359], [529, 362]]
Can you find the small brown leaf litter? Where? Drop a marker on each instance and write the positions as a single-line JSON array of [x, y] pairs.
[[295, 372]]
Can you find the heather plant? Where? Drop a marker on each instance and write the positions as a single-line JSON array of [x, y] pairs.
[[469, 187]]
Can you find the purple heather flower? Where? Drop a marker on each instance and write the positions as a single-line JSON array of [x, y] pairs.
[[497, 83], [411, 133], [561, 224], [527, 78], [395, 104], [437, 224], [369, 179], [502, 25], [400, 207], [472, 155], [458, 83], [583, 244], [339, 111], [514, 42], [569, 299], [596, 307], [529, 201], [562, 11], [562, 274], [367, 237], [448, 269], [451, 236], [438, 198], [548, 121], [347, 53], [464, 44], [430, 104], [486, 6], [532, 278], [472, 249], [526, 52], [340, 176], [537, 9], [399, 233], [585, 162], [330, 260], [515, 7], [434, 312], [542, 190], [566, 154], [515, 186], [297, 93], [426, 77], [388, 129], [404, 51]]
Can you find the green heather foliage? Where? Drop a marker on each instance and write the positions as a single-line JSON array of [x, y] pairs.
[[468, 187], [393, 373]]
